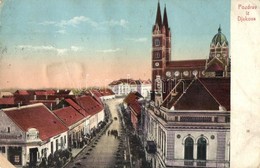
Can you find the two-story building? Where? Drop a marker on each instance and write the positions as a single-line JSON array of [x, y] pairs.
[[30, 133]]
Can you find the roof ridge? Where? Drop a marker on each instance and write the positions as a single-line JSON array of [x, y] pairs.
[[23, 107], [184, 91]]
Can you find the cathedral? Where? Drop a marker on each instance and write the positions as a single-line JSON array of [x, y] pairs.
[[187, 120]]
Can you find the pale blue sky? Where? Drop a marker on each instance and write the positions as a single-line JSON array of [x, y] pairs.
[[113, 35]]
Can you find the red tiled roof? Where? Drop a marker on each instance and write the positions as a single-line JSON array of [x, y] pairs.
[[120, 81], [205, 94], [77, 107], [44, 92], [62, 92], [22, 92], [89, 104], [96, 93], [7, 101], [219, 88], [136, 107], [69, 115], [132, 97], [195, 98], [39, 117], [96, 98], [187, 63], [106, 92]]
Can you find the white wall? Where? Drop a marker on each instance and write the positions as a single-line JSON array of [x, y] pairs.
[[101, 116], [47, 145]]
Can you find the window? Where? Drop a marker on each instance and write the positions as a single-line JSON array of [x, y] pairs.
[[157, 55], [202, 149], [52, 147], [188, 152], [2, 149], [61, 141], [219, 73], [57, 145], [157, 42], [8, 129], [65, 138]]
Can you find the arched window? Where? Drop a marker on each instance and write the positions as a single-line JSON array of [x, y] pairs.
[[202, 149], [188, 152]]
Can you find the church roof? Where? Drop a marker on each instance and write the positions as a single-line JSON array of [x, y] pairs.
[[219, 38], [165, 19], [187, 63], [158, 20]]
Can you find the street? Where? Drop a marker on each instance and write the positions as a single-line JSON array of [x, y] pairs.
[[107, 150]]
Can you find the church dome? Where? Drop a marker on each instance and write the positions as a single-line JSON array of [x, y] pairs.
[[219, 38]]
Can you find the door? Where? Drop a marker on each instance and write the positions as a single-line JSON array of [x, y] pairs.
[[33, 156]]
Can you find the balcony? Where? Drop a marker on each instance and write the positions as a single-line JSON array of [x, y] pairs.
[[188, 162], [200, 163]]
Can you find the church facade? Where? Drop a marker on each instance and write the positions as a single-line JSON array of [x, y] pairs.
[[188, 116]]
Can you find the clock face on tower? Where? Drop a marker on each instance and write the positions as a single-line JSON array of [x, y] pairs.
[[168, 74], [156, 64]]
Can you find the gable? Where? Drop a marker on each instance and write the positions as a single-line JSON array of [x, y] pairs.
[[215, 65], [16, 133]]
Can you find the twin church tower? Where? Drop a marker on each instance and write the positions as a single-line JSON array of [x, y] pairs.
[[166, 72]]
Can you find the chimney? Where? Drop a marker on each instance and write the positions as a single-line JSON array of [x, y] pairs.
[[18, 105], [51, 106], [35, 97]]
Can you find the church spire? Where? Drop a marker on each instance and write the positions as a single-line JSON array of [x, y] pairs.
[[165, 19], [158, 16]]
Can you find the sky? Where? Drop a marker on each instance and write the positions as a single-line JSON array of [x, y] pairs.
[[82, 43]]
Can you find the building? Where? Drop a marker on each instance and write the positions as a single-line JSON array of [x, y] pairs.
[[187, 120], [50, 98], [133, 106], [30, 133], [123, 87], [94, 107], [75, 121], [103, 94]]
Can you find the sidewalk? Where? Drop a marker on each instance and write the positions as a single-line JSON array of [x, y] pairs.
[[76, 151]]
